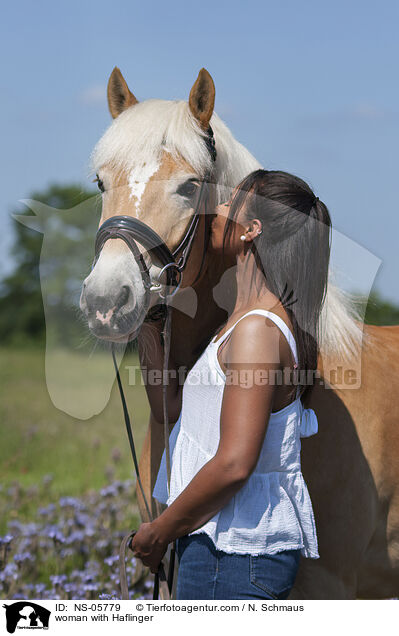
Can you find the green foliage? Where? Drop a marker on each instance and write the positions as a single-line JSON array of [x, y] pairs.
[[380, 311], [66, 216]]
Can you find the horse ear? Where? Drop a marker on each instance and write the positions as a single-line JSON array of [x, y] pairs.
[[118, 93], [202, 98]]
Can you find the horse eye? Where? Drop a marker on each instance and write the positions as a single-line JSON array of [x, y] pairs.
[[100, 184], [187, 189]]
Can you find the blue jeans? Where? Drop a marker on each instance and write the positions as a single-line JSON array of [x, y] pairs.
[[208, 573]]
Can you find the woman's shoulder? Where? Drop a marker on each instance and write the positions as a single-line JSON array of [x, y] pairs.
[[255, 339]]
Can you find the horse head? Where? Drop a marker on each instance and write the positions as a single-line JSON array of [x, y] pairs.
[[149, 166]]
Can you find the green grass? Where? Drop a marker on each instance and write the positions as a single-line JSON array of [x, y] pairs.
[[39, 439]]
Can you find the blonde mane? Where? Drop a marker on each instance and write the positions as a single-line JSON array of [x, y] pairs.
[[142, 132]]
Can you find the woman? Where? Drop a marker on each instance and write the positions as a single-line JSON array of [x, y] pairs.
[[238, 503]]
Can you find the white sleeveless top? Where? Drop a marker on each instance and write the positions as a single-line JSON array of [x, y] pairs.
[[273, 510]]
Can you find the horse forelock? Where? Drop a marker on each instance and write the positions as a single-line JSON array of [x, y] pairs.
[[143, 132]]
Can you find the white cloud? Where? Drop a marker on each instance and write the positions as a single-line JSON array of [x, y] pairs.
[[95, 94], [352, 115]]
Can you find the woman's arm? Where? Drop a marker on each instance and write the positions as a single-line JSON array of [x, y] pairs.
[[245, 413], [151, 353]]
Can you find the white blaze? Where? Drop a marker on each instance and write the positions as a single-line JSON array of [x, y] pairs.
[[139, 178]]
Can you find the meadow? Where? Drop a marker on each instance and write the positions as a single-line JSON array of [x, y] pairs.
[[67, 492]]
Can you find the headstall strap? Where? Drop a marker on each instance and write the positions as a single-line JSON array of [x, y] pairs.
[[131, 230], [210, 143]]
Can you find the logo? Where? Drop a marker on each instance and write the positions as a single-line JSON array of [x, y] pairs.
[[26, 615]]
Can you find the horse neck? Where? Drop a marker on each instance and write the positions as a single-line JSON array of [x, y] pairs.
[[190, 335]]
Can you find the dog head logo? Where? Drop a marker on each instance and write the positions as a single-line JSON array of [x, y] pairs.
[[25, 614]]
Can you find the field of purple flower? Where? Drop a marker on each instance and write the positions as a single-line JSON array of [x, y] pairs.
[[66, 498], [71, 549]]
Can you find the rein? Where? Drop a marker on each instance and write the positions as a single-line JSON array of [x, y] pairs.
[[130, 230]]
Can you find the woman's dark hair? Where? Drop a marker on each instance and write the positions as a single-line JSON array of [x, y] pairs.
[[292, 252]]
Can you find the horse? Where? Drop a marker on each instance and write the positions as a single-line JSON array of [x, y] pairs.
[[147, 164]]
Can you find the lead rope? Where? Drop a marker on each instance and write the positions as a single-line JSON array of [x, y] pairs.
[[167, 330], [161, 586]]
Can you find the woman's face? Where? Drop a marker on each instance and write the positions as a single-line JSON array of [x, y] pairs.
[[233, 243]]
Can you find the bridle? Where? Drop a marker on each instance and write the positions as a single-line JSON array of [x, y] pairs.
[[130, 230]]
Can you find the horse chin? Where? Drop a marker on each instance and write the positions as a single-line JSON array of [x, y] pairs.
[[117, 338], [118, 331]]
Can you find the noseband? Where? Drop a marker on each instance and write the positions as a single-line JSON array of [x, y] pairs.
[[130, 230]]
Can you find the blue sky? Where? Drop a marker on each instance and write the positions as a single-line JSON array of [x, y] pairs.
[[309, 87]]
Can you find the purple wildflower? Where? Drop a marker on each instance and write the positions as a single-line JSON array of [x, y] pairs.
[[10, 571], [23, 556], [58, 579], [111, 560], [47, 510], [70, 502]]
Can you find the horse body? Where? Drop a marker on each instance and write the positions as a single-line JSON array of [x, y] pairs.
[[351, 466]]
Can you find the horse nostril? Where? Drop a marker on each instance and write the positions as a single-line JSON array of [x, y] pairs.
[[123, 298]]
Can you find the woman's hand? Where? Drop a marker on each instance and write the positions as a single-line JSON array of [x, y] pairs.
[[148, 546]]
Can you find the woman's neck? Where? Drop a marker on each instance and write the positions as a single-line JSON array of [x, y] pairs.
[[248, 296]]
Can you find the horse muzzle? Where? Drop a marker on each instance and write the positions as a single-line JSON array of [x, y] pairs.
[[118, 294], [112, 316]]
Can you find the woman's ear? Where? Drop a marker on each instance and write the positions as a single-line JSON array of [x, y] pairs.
[[253, 230], [256, 226]]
